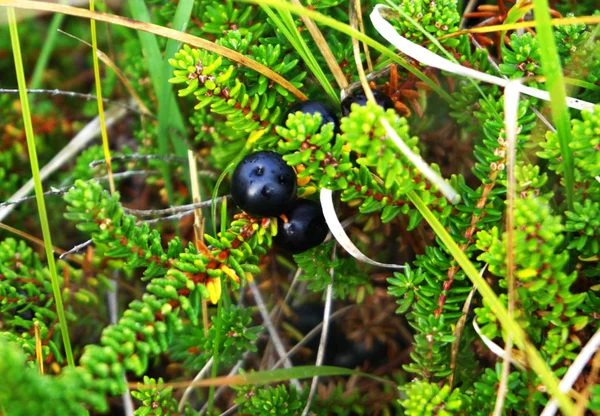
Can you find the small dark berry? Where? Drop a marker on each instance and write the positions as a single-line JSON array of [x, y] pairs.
[[305, 228], [264, 185], [313, 107], [360, 98], [27, 314]]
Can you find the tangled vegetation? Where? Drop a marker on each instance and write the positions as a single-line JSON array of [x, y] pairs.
[[494, 295]]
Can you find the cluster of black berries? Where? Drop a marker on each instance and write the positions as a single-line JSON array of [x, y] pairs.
[[263, 185]]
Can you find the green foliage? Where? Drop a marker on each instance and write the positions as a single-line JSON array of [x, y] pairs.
[[569, 38], [26, 297], [232, 110], [24, 392], [278, 400], [221, 87], [548, 306], [585, 144], [236, 337], [438, 18], [517, 396], [522, 57], [103, 217], [350, 281], [405, 287], [148, 326], [429, 399], [156, 399]]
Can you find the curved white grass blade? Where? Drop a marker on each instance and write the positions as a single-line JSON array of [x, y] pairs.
[[433, 177], [574, 371], [495, 348], [425, 56], [81, 139], [340, 235]]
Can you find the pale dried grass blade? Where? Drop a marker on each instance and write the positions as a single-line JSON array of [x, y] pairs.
[[574, 371], [426, 57], [497, 350], [340, 235]]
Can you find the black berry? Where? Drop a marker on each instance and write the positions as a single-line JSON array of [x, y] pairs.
[[361, 99], [264, 185], [305, 227], [313, 107]]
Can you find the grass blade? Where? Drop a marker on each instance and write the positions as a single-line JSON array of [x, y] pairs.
[[285, 23], [167, 105], [558, 96], [274, 376], [44, 57], [169, 113], [103, 132], [35, 170]]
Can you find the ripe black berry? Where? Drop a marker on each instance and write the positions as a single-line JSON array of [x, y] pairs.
[[361, 99], [313, 107], [305, 228], [264, 185]]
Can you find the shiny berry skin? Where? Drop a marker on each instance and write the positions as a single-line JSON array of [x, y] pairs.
[[305, 228], [361, 99], [313, 107], [263, 185]]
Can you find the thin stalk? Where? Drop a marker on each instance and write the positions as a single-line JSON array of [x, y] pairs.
[[511, 107], [537, 363], [196, 197], [109, 62], [215, 367], [558, 95], [38, 348], [323, 341], [361, 27], [37, 182], [105, 145]]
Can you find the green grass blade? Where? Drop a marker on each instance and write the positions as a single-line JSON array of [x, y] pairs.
[[556, 87], [37, 182], [300, 372], [285, 23], [139, 11], [44, 56], [168, 111], [166, 98], [536, 361]]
